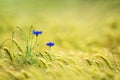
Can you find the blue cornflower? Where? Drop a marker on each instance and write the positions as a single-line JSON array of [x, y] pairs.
[[36, 32], [50, 44]]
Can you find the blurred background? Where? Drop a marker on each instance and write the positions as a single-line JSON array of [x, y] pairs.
[[71, 24]]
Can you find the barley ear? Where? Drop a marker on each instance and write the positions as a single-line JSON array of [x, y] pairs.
[[88, 61], [18, 46], [105, 60], [8, 53]]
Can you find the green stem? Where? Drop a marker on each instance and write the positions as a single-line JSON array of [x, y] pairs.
[[35, 43], [28, 49]]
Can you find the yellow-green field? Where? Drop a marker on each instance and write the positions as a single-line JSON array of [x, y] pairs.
[[86, 34]]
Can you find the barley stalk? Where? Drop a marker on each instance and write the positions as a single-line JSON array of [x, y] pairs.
[[105, 60], [42, 63], [3, 43], [18, 46], [61, 60], [8, 53], [97, 63], [88, 61], [48, 55]]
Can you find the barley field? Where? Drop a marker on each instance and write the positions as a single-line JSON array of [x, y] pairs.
[[59, 39]]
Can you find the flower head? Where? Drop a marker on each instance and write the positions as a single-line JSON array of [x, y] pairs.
[[50, 44], [36, 32]]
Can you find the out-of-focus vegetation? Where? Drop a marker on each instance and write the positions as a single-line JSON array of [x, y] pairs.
[[86, 35]]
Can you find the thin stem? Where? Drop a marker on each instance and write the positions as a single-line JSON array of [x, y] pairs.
[[28, 50], [3, 43], [30, 38], [30, 41], [35, 43], [13, 40]]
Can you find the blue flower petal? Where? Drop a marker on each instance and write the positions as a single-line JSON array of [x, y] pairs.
[[36, 32], [50, 44]]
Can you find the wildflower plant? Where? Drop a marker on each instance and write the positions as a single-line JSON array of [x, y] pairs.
[[30, 43], [48, 53], [36, 33], [27, 55]]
